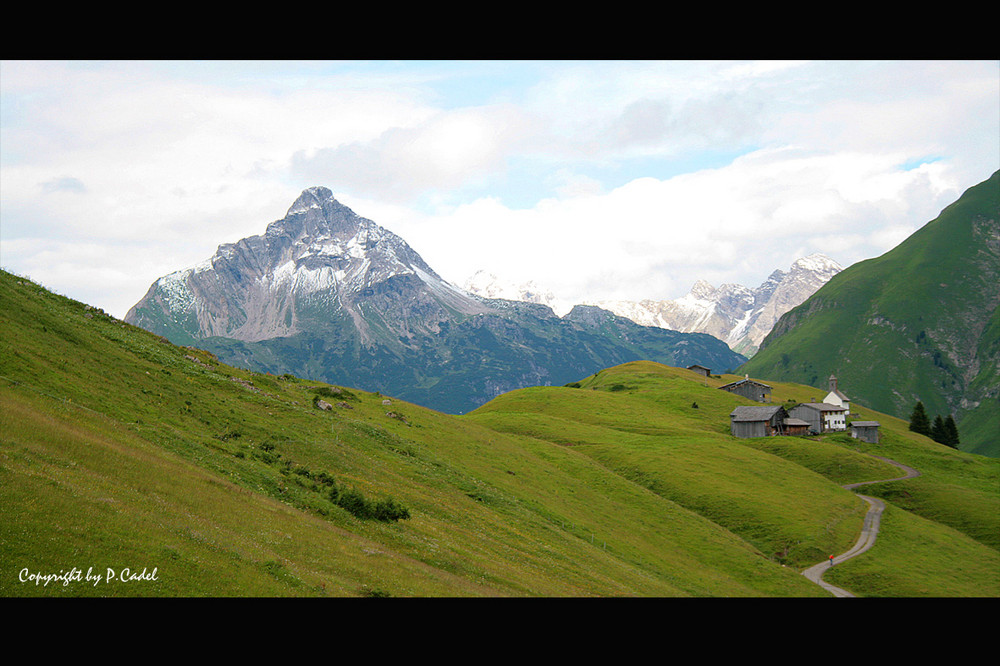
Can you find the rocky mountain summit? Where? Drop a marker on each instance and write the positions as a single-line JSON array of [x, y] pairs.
[[320, 258], [326, 294]]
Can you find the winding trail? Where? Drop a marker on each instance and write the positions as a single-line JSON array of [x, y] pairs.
[[869, 530]]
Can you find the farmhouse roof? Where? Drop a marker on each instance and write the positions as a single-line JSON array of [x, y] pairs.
[[744, 381], [822, 406], [791, 421], [864, 424], [754, 412]]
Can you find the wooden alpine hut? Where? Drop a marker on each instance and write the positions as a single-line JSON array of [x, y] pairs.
[[748, 388], [866, 431], [757, 421]]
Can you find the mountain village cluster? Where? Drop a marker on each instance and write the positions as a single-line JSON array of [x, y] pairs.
[[805, 418]]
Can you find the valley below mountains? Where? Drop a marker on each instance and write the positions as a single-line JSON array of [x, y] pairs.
[[327, 294]]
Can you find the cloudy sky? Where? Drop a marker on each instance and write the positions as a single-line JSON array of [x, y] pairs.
[[595, 179]]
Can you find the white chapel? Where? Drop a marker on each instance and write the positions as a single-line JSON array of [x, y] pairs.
[[835, 397]]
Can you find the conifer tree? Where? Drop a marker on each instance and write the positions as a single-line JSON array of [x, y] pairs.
[[938, 432], [952, 430], [919, 422]]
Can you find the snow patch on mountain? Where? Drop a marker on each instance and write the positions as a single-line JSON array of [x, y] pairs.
[[488, 285], [175, 291]]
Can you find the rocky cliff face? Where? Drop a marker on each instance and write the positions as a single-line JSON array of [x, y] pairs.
[[328, 295]]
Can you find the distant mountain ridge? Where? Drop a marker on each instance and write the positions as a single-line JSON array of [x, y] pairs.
[[919, 323], [329, 295], [739, 316]]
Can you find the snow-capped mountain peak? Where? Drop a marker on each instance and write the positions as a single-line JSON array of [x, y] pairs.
[[320, 252], [819, 264]]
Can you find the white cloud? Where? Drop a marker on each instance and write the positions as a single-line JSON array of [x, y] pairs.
[[445, 151], [653, 238]]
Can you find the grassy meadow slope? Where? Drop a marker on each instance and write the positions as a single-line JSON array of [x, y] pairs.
[[921, 322], [119, 450], [781, 494]]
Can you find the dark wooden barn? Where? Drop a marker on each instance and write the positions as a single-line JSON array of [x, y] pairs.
[[749, 388], [753, 421]]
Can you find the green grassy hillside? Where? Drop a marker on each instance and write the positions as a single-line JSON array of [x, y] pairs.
[[639, 420], [919, 323], [121, 451]]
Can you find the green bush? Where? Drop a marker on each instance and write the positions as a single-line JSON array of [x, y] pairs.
[[355, 503], [388, 510], [334, 392], [385, 510]]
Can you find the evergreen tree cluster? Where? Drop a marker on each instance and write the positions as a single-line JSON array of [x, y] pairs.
[[942, 430]]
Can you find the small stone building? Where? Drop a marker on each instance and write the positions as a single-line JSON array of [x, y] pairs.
[[866, 431], [749, 388], [700, 369], [754, 421]]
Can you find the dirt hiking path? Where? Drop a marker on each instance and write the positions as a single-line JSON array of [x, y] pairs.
[[869, 530]]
